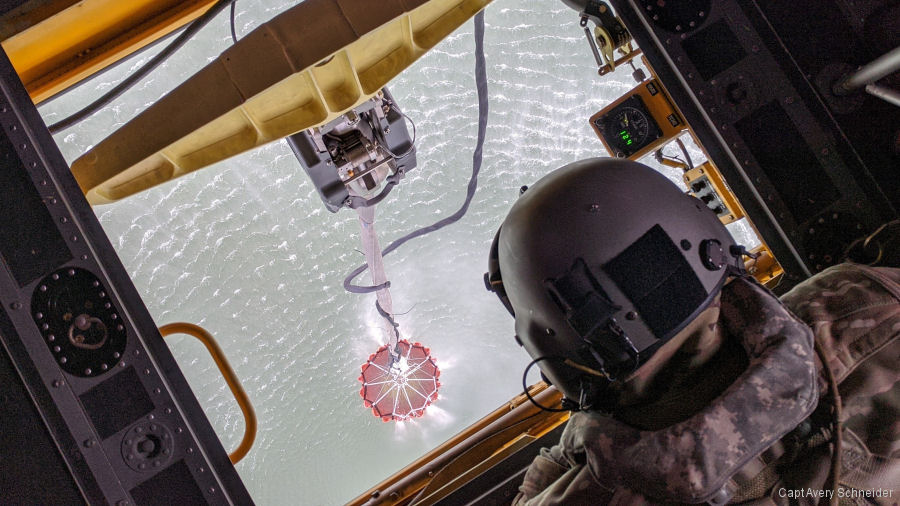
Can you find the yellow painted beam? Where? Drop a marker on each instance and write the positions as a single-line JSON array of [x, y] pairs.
[[303, 68], [77, 39]]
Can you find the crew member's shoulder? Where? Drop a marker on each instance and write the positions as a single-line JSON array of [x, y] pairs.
[[843, 289]]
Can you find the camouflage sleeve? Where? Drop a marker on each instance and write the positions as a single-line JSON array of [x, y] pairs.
[[546, 468], [553, 480], [558, 477]]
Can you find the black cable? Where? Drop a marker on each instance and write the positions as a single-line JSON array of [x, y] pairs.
[[233, 33], [525, 384], [139, 74], [387, 316], [481, 86]]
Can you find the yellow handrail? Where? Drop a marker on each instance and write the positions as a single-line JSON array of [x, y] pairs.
[[228, 373]]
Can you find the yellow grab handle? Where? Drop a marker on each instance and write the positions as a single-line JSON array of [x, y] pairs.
[[228, 373]]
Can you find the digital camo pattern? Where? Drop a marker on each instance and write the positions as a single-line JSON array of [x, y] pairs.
[[692, 460], [855, 313]]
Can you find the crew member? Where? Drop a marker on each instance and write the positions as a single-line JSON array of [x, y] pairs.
[[690, 382]]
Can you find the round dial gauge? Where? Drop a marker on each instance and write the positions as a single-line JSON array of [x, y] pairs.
[[630, 128]]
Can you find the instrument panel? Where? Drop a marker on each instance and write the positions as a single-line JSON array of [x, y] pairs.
[[637, 123], [752, 81]]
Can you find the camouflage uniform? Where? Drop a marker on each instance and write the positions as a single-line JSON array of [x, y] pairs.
[[757, 436]]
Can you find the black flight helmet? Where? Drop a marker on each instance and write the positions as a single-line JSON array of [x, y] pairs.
[[601, 262]]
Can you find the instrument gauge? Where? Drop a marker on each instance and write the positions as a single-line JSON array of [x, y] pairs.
[[628, 127], [632, 126]]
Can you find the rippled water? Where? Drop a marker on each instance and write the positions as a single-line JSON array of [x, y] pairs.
[[246, 249]]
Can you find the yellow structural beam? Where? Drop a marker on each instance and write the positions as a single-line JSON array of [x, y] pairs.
[[54, 44], [303, 68]]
